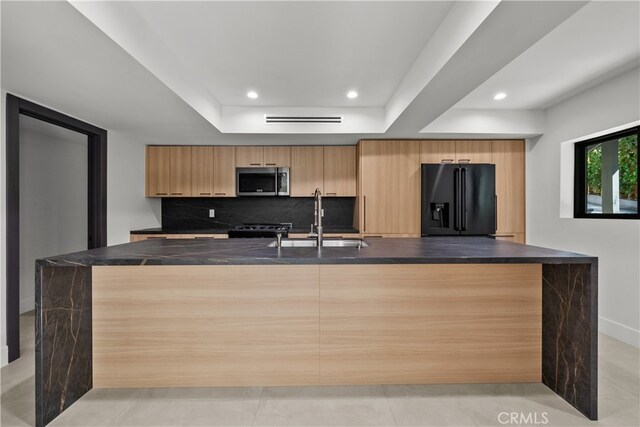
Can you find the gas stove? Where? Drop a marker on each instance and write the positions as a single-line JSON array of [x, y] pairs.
[[260, 230]]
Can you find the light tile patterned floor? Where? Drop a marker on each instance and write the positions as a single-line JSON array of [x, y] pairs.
[[437, 405]]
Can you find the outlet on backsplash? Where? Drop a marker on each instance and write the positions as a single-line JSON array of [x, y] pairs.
[[212, 213]]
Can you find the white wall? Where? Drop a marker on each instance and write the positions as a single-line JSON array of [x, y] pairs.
[[615, 242], [127, 208], [53, 197]]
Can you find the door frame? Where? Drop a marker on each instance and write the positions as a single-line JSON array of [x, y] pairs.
[[96, 207]]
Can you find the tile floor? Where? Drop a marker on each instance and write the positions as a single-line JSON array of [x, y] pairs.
[[437, 405]]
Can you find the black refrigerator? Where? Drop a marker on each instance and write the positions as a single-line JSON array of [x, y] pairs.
[[458, 199]]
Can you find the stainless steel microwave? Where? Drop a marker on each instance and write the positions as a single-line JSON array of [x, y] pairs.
[[262, 181]]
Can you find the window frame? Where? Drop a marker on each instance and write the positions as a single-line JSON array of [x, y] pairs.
[[580, 178]]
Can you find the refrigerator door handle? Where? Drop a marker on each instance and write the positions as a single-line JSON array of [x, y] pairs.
[[456, 199], [463, 197], [496, 212]]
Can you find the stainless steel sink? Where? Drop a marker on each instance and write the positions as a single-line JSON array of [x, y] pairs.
[[344, 243], [326, 243]]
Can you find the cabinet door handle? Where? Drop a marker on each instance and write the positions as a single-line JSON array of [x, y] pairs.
[[447, 161], [464, 160], [176, 194], [255, 164], [205, 194], [219, 194], [270, 164], [364, 213], [161, 194], [330, 194]]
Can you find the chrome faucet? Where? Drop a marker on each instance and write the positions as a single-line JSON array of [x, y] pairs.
[[317, 218]]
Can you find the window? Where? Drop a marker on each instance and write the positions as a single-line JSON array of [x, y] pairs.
[[606, 176]]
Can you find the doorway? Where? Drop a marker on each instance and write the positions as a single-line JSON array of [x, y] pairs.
[[94, 223]]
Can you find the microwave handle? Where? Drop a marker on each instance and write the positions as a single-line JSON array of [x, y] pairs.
[[283, 171]]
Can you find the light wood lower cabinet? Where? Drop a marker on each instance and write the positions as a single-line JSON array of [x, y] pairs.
[[190, 326], [425, 324], [265, 325]]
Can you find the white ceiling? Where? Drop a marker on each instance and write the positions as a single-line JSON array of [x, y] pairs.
[[159, 71], [600, 39], [54, 56], [296, 54]]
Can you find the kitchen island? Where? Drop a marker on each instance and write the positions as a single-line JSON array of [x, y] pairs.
[[205, 313]]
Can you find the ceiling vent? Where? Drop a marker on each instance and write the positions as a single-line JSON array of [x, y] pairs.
[[302, 119]]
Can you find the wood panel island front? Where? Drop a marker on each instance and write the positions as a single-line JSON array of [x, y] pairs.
[[206, 313]]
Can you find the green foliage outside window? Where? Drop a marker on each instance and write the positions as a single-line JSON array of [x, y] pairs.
[[627, 163]]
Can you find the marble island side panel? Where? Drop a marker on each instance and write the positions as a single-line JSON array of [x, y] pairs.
[[63, 347]]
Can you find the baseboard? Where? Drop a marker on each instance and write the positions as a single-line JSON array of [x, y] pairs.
[[4, 355], [619, 331]]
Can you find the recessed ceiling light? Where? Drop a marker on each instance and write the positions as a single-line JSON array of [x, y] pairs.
[[251, 94], [352, 94], [500, 95]]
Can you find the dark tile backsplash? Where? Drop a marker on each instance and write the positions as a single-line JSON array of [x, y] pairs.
[[193, 213]]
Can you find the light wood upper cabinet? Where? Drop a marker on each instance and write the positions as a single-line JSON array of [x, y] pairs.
[[473, 151], [509, 158], [272, 156], [464, 151], [277, 156], [180, 172], [202, 171], [340, 171], [249, 156], [390, 187], [157, 171], [306, 171], [437, 151], [168, 171], [224, 171]]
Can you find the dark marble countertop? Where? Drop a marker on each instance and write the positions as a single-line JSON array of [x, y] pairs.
[[296, 230], [430, 250]]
